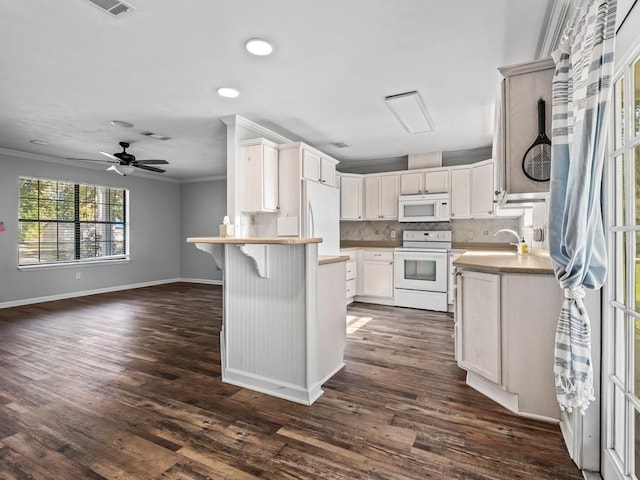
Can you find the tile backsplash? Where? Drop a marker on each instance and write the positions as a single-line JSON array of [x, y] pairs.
[[462, 231]]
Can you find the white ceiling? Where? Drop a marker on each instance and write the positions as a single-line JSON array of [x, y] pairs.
[[68, 69]]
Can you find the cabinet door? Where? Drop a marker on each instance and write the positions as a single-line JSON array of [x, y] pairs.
[[482, 191], [411, 183], [522, 91], [436, 181], [460, 193], [478, 324], [311, 165], [259, 180], [350, 198], [328, 171], [269, 178], [372, 198], [377, 279], [389, 196]]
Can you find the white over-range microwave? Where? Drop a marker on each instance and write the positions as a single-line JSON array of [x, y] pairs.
[[430, 207]]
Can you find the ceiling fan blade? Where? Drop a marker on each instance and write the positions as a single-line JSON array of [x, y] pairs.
[[90, 160], [152, 162], [113, 168], [109, 155], [151, 169]]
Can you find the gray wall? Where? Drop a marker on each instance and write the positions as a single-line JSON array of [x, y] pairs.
[[155, 236], [203, 205]]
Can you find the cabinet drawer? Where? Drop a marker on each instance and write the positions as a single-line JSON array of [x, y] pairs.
[[351, 269], [379, 256], [351, 288]]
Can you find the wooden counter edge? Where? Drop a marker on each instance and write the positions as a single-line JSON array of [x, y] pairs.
[[500, 264], [254, 240], [327, 259]]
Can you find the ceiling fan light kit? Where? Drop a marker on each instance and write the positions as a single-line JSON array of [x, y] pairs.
[[123, 170]]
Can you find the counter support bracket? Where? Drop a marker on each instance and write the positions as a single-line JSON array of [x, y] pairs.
[[259, 254]]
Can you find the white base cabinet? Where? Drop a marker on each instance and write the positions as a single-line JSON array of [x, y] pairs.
[[375, 276], [505, 335], [478, 324]]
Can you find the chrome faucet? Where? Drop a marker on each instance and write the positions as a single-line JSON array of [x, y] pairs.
[[517, 245]]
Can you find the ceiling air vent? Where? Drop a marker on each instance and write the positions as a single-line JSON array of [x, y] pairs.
[[112, 7], [340, 144], [157, 136]]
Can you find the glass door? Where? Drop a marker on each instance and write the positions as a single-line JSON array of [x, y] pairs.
[[621, 327]]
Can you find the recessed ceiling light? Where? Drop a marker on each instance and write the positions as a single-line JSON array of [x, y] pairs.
[[120, 123], [228, 92], [39, 142], [259, 47]]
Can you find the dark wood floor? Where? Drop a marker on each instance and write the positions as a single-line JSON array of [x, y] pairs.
[[126, 386]]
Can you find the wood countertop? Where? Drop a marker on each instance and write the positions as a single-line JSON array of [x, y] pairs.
[[254, 240], [504, 262], [326, 259]]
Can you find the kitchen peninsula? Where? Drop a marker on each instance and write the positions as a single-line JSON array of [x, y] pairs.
[[506, 312], [283, 332]]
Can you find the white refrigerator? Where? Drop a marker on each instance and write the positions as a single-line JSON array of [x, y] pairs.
[[321, 215]]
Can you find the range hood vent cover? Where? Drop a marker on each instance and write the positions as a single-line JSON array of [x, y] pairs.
[[115, 8]]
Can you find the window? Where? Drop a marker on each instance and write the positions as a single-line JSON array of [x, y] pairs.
[[62, 222]]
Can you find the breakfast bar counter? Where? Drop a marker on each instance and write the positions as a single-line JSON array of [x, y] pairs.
[[284, 316]]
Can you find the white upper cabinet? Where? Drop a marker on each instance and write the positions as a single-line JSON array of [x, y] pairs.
[[259, 177], [460, 192], [350, 197], [318, 167], [523, 86], [411, 183], [436, 181], [482, 190], [381, 197], [424, 181], [473, 190]]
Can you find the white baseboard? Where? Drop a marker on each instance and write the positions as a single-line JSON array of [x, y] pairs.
[[201, 280], [273, 387], [115, 288]]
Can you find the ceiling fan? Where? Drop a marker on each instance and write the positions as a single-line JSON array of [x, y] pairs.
[[124, 163]]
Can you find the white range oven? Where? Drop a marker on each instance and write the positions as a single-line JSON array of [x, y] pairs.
[[420, 270]]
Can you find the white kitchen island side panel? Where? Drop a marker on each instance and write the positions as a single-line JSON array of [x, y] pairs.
[[267, 314], [268, 339]]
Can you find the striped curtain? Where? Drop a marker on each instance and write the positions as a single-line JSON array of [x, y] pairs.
[[581, 92]]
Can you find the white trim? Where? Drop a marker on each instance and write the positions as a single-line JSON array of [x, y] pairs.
[[116, 288], [276, 388], [76, 264], [210, 178], [259, 129], [556, 22], [205, 281], [83, 293]]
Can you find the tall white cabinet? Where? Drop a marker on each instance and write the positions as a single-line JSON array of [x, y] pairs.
[[259, 175], [351, 196]]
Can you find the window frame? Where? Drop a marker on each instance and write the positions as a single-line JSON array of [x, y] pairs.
[[77, 223]]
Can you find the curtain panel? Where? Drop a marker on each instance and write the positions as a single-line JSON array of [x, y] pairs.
[[581, 93]]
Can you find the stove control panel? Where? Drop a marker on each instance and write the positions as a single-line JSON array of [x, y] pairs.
[[426, 236]]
